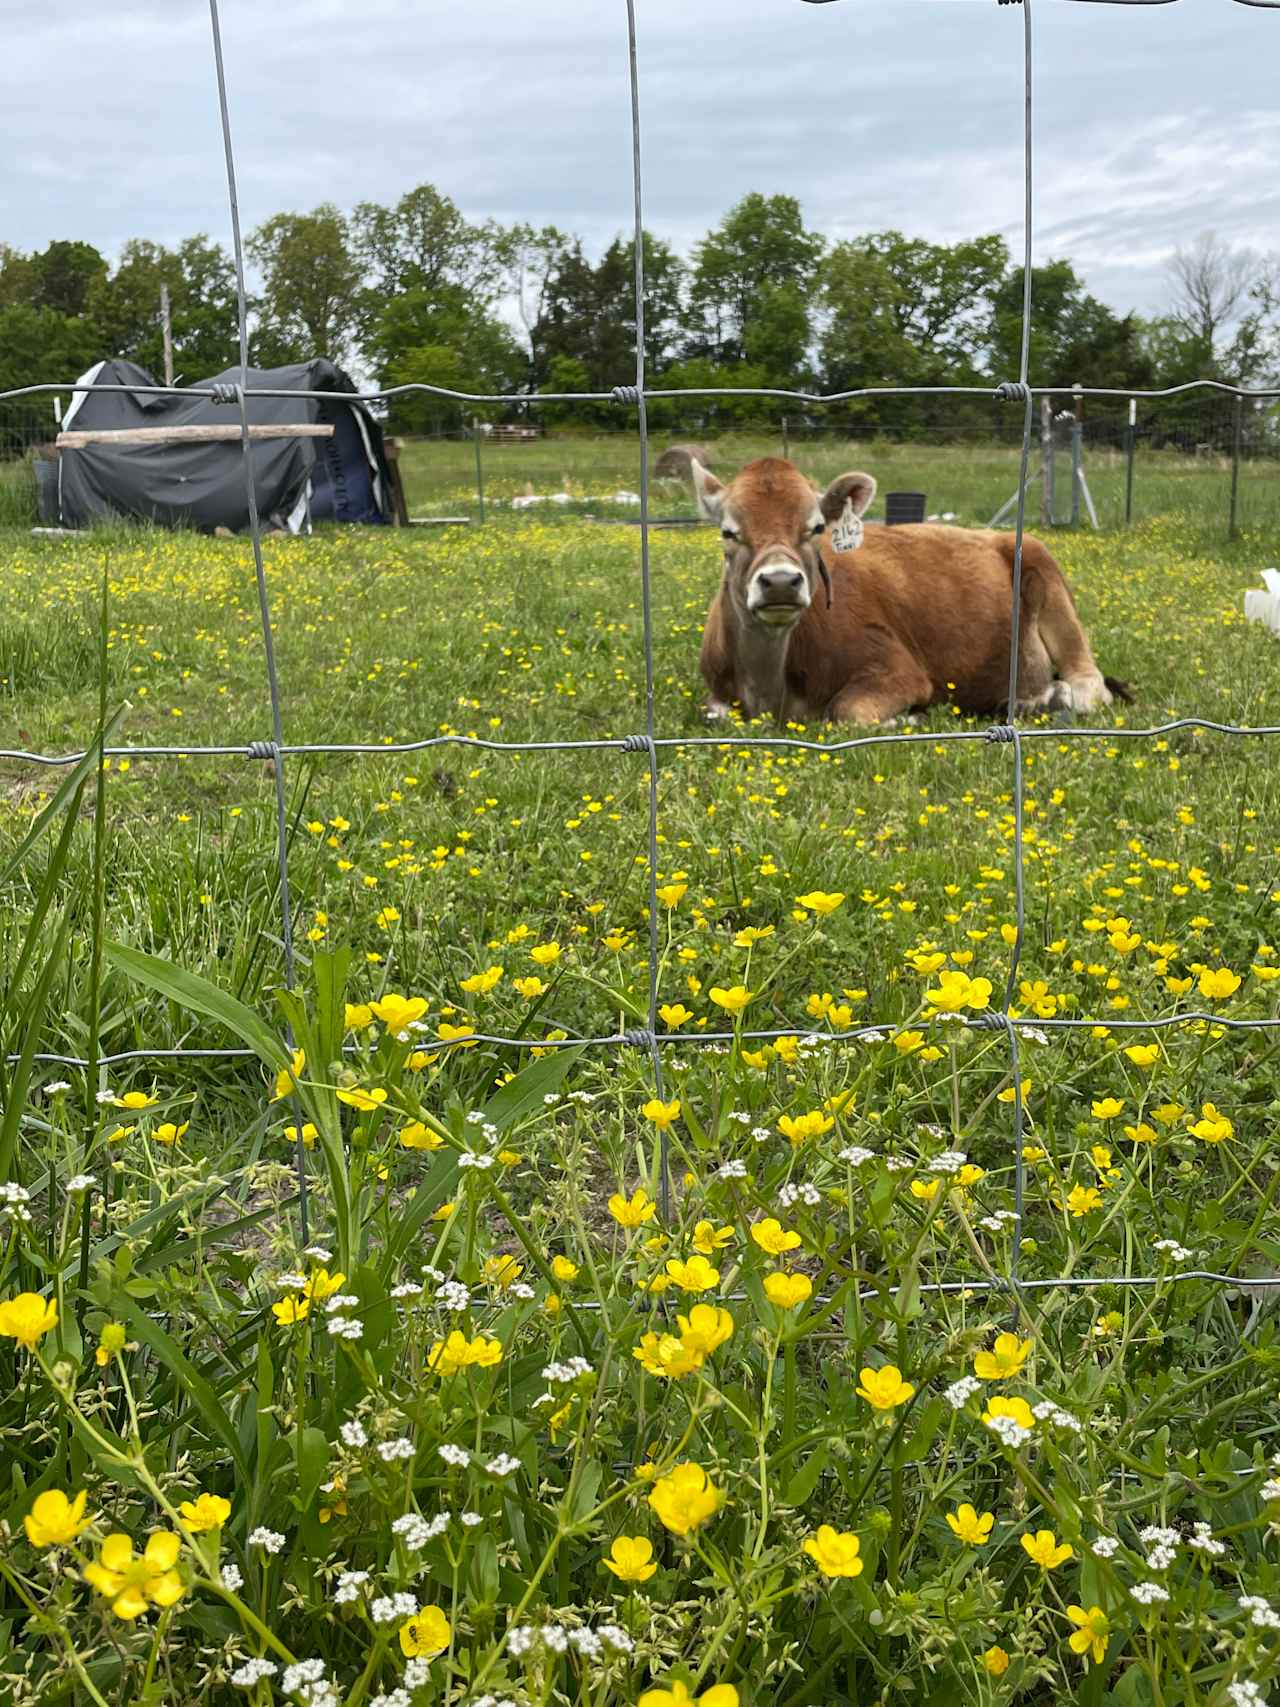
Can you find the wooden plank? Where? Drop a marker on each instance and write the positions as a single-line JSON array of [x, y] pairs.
[[439, 521], [190, 435]]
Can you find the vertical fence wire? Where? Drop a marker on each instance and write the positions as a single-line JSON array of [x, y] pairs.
[[264, 605], [646, 600], [1024, 362]]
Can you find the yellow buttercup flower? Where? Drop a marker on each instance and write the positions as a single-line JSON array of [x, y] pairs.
[[27, 1318], [322, 1284], [290, 1310], [772, 1237], [663, 1114], [1218, 982], [309, 1135], [885, 1388], [530, 988], [1213, 1127], [356, 1016], [685, 1498], [732, 1000], [564, 1270], [1106, 1108], [631, 1559], [1143, 1054], [1083, 1200], [545, 954], [1091, 1634], [135, 1100], [787, 1291], [1004, 1360], [799, 1127], [834, 1552], [708, 1238], [447, 1357], [817, 901], [480, 983], [54, 1520], [206, 1511], [133, 1583], [1018, 1409], [695, 1275], [996, 1661], [719, 1695], [704, 1329], [957, 990], [674, 1015], [418, 1136], [502, 1271], [365, 1102], [398, 1012], [169, 1133], [427, 1632], [287, 1078], [633, 1211], [671, 894], [1044, 1549], [666, 1356], [967, 1526]]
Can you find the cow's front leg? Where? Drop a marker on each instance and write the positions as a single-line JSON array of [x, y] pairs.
[[888, 693]]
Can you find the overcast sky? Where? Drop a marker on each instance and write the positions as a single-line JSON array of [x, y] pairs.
[[1153, 123]]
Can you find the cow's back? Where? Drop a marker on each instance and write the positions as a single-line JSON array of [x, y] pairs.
[[945, 593]]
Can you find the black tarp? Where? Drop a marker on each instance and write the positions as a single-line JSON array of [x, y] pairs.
[[201, 484]]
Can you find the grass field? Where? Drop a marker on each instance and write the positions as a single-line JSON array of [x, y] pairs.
[[767, 1331]]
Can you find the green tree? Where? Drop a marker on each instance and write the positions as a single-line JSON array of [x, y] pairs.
[[311, 285], [39, 345], [438, 338], [64, 275], [751, 279], [1075, 339]]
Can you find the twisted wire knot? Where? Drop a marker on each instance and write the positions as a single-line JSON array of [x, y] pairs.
[[625, 394], [262, 750], [639, 1038], [989, 1019], [224, 393], [636, 744], [1011, 390], [1000, 734]]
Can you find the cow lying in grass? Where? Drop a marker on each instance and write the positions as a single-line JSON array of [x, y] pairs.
[[902, 618]]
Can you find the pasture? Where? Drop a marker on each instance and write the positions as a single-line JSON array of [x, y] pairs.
[[509, 1428]]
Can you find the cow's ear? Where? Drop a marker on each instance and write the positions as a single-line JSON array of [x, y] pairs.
[[857, 489], [710, 491]]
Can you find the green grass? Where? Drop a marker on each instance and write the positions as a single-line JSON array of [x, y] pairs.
[[1149, 865]]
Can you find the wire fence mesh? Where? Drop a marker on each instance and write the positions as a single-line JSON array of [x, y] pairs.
[[650, 745]]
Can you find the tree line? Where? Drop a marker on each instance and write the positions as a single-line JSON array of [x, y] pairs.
[[415, 291]]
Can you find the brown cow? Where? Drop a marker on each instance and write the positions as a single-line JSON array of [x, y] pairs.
[[904, 617]]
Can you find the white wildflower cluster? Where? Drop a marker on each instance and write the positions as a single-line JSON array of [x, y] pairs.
[[341, 1301], [568, 1371], [397, 1698], [1270, 1490], [874, 1036], [1147, 1594], [792, 1194], [14, 1200], [1171, 1248], [761, 1134], [598, 1644], [899, 1164], [253, 1672], [80, 1182], [56, 1087], [740, 1115], [960, 1392], [1034, 1033], [1105, 1547], [470, 1519], [353, 1434], [344, 1328], [1047, 1411], [292, 1282], [503, 1465], [270, 1540], [318, 1253], [551, 1099], [349, 1586], [105, 1099], [417, 1674], [856, 1155], [475, 1117], [458, 1456], [586, 1098], [1009, 1431], [519, 1290], [1163, 1544], [392, 1608], [393, 1451], [1260, 1612], [297, 1677], [474, 1159], [494, 1700], [732, 1170], [1246, 1694], [232, 1577], [949, 1162], [1203, 1541], [407, 1289], [416, 1531]]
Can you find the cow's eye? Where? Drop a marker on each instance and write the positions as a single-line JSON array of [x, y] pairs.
[[728, 533], [818, 527]]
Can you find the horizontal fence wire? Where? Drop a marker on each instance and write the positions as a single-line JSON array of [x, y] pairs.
[[648, 1038]]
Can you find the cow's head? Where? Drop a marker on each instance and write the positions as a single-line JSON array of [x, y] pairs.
[[772, 522]]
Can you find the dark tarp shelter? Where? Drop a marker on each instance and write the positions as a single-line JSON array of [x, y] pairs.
[[200, 484]]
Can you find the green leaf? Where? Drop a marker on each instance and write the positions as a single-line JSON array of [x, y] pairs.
[[73, 780], [806, 1477], [198, 995], [525, 1092], [188, 1377], [312, 1458]]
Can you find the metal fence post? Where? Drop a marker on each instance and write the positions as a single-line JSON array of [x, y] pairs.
[[1236, 437], [475, 434], [1131, 435], [786, 441], [1077, 456], [1046, 462]]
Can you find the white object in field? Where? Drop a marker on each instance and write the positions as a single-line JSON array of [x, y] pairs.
[[1262, 604]]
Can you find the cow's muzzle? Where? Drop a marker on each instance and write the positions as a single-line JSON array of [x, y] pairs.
[[778, 593]]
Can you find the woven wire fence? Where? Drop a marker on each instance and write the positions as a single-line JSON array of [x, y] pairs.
[[650, 744]]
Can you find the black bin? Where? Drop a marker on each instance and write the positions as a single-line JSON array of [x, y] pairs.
[[903, 507]]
